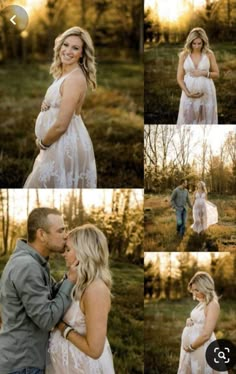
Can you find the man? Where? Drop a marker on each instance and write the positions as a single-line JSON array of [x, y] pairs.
[[179, 201], [32, 304]]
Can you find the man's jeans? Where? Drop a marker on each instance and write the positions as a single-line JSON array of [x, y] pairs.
[[181, 218], [28, 371]]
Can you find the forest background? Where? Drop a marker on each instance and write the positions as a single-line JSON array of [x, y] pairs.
[[113, 114], [119, 214], [168, 303], [192, 152], [165, 33]]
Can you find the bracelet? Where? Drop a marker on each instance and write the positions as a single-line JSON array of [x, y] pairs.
[[67, 331], [42, 146], [191, 348], [208, 74]]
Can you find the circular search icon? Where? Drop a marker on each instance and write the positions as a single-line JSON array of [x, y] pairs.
[[221, 355]]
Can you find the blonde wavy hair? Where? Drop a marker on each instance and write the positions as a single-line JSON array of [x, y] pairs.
[[203, 185], [195, 33], [205, 284], [90, 245], [88, 65]]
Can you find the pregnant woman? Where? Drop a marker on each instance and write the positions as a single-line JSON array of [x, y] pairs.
[[78, 344], [196, 70], [199, 330], [205, 213], [66, 158]]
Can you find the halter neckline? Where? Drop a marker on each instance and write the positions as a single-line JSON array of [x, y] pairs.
[[201, 58], [63, 76]]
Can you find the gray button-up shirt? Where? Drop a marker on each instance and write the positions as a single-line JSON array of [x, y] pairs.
[[29, 309], [180, 198]]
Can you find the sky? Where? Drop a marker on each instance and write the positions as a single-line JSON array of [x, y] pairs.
[[91, 197], [216, 135], [204, 258], [171, 10]]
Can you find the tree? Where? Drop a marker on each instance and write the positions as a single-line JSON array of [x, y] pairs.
[[5, 219]]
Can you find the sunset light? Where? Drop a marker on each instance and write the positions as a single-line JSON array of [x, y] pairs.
[[32, 6], [172, 10], [203, 259], [91, 198]]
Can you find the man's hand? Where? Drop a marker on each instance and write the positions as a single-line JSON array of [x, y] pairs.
[[72, 273]]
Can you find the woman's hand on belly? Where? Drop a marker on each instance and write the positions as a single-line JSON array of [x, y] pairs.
[[44, 106], [195, 95], [189, 322]]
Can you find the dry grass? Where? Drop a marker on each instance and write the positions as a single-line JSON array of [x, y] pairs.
[[162, 93], [160, 227], [164, 322], [113, 115]]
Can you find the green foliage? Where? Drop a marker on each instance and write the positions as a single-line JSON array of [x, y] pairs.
[[125, 329], [112, 115], [162, 93], [125, 238], [125, 325], [160, 231], [164, 322]]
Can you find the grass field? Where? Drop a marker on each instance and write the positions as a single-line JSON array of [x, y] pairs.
[[162, 93], [113, 115], [164, 322], [160, 227], [125, 325]]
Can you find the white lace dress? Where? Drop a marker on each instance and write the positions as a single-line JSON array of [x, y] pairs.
[[205, 213], [65, 358], [204, 109], [69, 162], [195, 362]]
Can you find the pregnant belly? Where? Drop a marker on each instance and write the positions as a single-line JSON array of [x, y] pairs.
[[44, 121], [196, 85], [200, 204], [190, 333]]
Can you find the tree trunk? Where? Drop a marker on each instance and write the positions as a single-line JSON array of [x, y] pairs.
[[5, 220]]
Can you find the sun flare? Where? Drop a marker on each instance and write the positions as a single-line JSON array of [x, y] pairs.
[[32, 6], [172, 10]]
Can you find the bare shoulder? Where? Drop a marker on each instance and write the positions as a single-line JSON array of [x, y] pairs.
[[210, 54], [213, 306], [76, 79], [183, 55], [97, 289]]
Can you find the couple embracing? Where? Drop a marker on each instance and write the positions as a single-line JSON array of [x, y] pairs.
[[50, 327], [204, 212]]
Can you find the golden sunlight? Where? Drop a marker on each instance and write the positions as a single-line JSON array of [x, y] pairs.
[[31, 6], [172, 10], [91, 198], [150, 4], [199, 3], [203, 259]]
